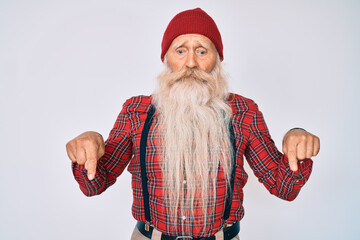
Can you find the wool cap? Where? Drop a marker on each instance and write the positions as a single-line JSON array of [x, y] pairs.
[[192, 21]]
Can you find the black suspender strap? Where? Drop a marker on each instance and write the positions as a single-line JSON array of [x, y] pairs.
[[230, 191], [143, 140]]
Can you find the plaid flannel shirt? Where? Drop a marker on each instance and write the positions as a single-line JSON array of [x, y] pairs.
[[252, 141]]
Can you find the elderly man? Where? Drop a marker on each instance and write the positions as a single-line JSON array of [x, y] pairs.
[[185, 144]]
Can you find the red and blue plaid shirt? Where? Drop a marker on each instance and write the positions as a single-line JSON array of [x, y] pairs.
[[253, 141]]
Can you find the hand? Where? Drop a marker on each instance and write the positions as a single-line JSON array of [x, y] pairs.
[[86, 149], [298, 145]]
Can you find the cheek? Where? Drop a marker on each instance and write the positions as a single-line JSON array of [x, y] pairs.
[[209, 65], [175, 65]]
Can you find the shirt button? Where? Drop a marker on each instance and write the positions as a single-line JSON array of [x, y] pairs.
[[183, 218], [184, 182], [301, 162]]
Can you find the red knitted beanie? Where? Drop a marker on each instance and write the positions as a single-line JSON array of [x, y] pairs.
[[192, 21]]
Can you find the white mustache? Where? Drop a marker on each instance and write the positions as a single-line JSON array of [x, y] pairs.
[[192, 73]]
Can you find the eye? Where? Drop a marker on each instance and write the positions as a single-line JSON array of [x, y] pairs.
[[201, 52], [180, 51]]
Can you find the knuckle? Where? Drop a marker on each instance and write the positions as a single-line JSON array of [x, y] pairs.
[[68, 148], [69, 145], [84, 141], [291, 138], [87, 143], [303, 137], [309, 137], [101, 151], [301, 155]]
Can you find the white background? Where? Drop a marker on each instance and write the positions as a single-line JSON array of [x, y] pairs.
[[68, 66]]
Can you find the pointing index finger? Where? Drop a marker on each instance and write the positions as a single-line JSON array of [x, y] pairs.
[[90, 165], [291, 155]]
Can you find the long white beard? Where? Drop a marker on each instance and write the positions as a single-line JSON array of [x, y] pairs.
[[194, 120]]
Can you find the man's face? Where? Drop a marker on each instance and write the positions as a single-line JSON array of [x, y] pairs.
[[192, 51]]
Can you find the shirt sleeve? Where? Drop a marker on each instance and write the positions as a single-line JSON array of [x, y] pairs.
[[118, 152], [270, 166]]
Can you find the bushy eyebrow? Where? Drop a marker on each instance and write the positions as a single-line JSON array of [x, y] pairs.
[[203, 44], [178, 44], [199, 42]]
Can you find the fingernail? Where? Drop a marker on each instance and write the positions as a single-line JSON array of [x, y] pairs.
[[90, 176], [294, 168]]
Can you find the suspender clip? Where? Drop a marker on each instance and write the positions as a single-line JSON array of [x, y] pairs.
[[225, 224], [147, 226]]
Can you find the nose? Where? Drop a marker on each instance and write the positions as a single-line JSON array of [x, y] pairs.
[[191, 60]]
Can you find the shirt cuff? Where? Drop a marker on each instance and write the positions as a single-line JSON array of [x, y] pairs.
[[304, 170]]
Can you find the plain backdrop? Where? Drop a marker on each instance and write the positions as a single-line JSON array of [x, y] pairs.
[[68, 66]]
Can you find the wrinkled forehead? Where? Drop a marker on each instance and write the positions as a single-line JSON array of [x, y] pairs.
[[193, 40]]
